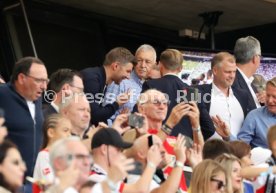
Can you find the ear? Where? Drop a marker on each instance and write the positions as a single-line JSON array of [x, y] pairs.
[[141, 155], [255, 59], [21, 78], [103, 149], [140, 108], [114, 66], [179, 69], [215, 70], [50, 132], [66, 89]]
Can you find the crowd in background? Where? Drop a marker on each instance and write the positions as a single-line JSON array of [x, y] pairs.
[[133, 125]]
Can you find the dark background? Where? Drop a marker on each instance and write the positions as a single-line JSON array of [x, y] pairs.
[[72, 38]]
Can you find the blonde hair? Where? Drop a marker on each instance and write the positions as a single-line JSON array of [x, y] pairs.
[[171, 59], [51, 122], [202, 174], [226, 161], [272, 82], [271, 136]]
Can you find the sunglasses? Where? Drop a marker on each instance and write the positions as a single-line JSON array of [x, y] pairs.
[[219, 183]]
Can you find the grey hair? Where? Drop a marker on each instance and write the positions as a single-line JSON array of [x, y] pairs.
[[60, 148], [66, 101], [246, 48], [146, 96], [145, 48]]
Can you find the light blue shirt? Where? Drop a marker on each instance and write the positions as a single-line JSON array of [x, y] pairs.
[[133, 85], [255, 127]]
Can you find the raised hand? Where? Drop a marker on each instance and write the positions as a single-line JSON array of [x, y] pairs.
[[121, 123], [180, 148], [221, 127]]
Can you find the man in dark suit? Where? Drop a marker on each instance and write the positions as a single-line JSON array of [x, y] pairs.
[[21, 101], [63, 83], [117, 66], [225, 104], [247, 52], [170, 84]]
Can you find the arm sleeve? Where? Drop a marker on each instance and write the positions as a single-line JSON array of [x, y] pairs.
[[247, 131]]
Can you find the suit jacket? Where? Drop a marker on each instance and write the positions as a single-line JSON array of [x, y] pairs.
[[25, 132], [240, 83], [171, 84], [94, 80], [241, 95], [48, 109]]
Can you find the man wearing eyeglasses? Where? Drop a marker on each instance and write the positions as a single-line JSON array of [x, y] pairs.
[[170, 65], [63, 83], [21, 100]]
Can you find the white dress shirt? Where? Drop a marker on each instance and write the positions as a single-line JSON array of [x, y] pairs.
[[228, 108], [248, 82], [31, 106]]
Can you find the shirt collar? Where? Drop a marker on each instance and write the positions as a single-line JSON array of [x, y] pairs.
[[55, 106], [247, 80], [135, 77], [217, 91]]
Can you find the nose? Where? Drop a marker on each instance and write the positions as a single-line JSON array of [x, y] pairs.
[[43, 86]]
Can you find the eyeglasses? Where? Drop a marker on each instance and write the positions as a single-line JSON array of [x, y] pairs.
[[220, 183], [259, 55], [82, 157], [80, 88], [38, 80], [160, 102]]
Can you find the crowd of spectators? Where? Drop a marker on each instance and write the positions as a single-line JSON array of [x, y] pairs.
[[132, 125]]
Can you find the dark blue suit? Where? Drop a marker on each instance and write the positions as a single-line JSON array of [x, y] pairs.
[[48, 109], [240, 83], [171, 84], [241, 95], [22, 129], [94, 80]]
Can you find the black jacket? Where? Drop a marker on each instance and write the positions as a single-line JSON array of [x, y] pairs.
[[22, 129], [170, 84], [94, 80]]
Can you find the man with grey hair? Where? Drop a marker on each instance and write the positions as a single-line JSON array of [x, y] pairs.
[[76, 108], [71, 163], [247, 51], [146, 59], [170, 65]]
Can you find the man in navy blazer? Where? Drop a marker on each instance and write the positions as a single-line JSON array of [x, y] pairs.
[[170, 65], [117, 66], [21, 101], [247, 52], [63, 83], [225, 104]]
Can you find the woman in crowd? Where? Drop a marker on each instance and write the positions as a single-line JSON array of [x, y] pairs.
[[242, 151], [208, 177], [12, 168], [232, 166], [55, 127]]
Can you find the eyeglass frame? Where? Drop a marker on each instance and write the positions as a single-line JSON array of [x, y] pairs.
[[82, 89], [38, 80]]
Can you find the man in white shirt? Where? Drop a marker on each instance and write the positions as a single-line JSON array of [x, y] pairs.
[[225, 104], [247, 52]]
